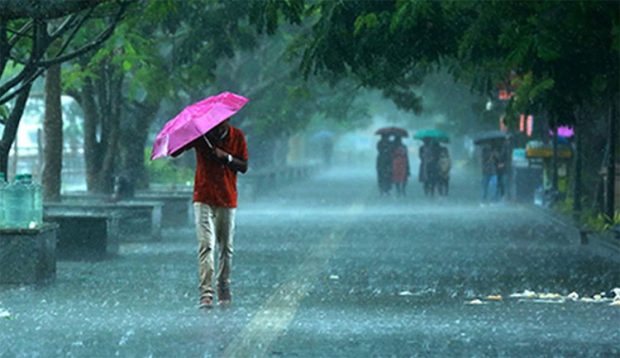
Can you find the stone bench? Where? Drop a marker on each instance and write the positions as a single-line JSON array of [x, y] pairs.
[[177, 210], [137, 220], [28, 256], [85, 236]]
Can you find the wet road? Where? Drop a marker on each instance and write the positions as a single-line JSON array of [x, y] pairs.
[[329, 269]]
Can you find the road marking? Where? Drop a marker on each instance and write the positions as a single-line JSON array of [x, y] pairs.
[[280, 308]]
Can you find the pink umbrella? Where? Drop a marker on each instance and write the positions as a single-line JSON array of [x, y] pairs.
[[194, 121]]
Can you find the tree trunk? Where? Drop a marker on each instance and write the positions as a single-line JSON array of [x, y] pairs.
[[92, 148], [133, 139], [53, 140], [611, 164], [578, 167], [10, 128], [101, 103], [554, 160], [110, 136]]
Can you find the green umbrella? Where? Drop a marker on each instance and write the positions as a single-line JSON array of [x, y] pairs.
[[432, 134]]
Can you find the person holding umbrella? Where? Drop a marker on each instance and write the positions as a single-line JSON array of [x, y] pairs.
[[444, 165], [430, 152], [221, 153], [494, 154], [400, 166], [384, 164], [385, 158]]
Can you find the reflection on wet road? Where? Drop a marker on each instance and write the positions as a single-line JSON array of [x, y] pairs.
[[328, 268]]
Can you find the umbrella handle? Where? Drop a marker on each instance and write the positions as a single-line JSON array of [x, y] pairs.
[[207, 141]]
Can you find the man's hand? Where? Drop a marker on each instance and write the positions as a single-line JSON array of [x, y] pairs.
[[220, 155], [227, 159]]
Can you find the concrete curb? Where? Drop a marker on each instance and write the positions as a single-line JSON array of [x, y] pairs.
[[604, 244]]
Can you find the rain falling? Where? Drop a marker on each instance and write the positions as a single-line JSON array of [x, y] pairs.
[[309, 178]]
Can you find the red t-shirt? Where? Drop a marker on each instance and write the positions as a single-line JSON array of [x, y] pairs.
[[215, 183]]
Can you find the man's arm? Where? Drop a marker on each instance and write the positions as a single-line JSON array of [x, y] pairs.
[[233, 163]]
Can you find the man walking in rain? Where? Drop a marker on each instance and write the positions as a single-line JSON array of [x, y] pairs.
[[220, 154]]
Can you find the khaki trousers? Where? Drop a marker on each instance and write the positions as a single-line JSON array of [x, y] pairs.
[[214, 224]]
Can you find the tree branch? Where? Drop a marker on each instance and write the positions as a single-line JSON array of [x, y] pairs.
[[44, 10], [41, 42], [68, 23], [76, 28], [17, 79], [19, 33], [11, 125], [23, 85], [95, 43], [4, 48]]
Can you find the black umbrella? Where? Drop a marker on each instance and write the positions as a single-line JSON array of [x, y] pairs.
[[395, 131]]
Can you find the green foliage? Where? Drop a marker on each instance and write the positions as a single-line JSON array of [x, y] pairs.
[[589, 219], [282, 103], [385, 45], [600, 222], [368, 21], [528, 93], [564, 207], [266, 15], [567, 50], [166, 171]]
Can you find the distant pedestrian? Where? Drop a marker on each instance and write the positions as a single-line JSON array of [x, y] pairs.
[[429, 171], [220, 155], [424, 155], [503, 168], [385, 148], [489, 160], [400, 166], [444, 164]]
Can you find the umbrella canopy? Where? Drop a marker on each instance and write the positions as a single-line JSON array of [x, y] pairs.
[[564, 132], [395, 131], [194, 121], [436, 134], [490, 137]]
